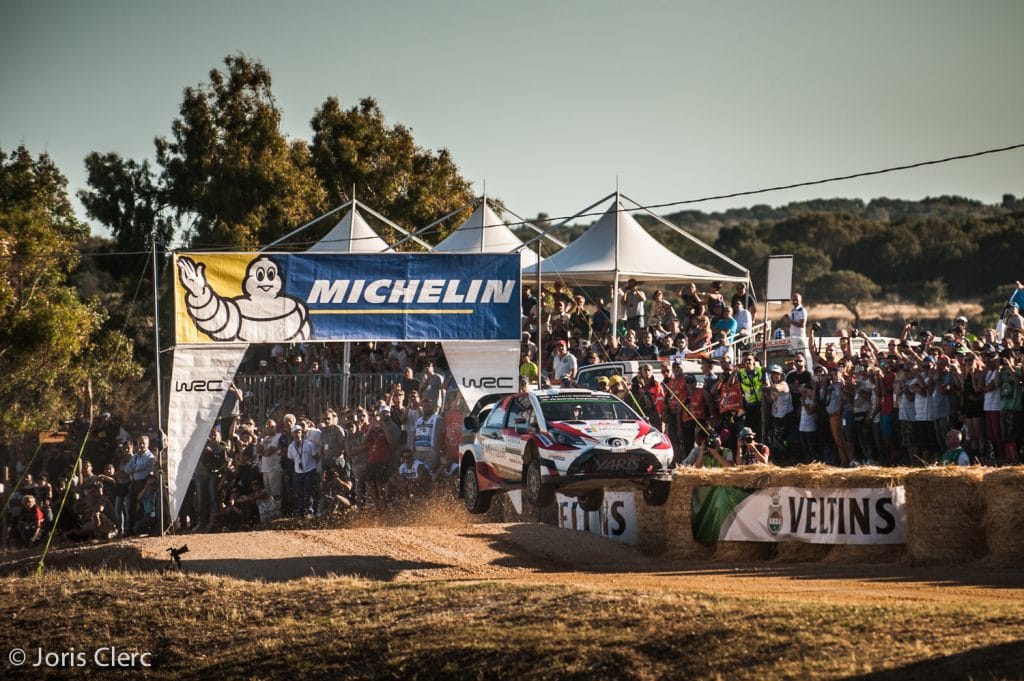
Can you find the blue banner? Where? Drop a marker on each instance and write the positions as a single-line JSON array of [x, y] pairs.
[[287, 297]]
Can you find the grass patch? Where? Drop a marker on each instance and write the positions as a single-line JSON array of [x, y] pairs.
[[340, 627]]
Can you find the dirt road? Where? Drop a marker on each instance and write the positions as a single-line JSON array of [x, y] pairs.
[[539, 554]]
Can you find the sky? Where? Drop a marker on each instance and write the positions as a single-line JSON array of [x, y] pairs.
[[552, 105]]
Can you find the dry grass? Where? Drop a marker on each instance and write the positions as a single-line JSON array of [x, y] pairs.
[[208, 627]]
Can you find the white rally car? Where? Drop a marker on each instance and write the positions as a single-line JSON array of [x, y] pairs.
[[578, 442]]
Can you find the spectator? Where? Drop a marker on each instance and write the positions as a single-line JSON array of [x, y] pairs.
[[752, 380], [749, 451], [781, 405], [139, 467], [710, 454], [580, 322], [798, 317], [955, 455], [563, 366], [428, 436], [1010, 405], [645, 348], [632, 300], [808, 427], [432, 385], [745, 298], [303, 454], [412, 478], [744, 320], [29, 524], [715, 301], [662, 312], [377, 459]]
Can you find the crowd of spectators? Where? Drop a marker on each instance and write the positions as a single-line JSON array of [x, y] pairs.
[[953, 398]]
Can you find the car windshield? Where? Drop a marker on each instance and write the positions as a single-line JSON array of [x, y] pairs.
[[584, 408]]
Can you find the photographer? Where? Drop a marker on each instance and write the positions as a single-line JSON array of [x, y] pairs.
[[710, 454], [751, 452]]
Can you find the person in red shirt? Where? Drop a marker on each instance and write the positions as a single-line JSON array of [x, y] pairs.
[[377, 458], [655, 393], [675, 387], [30, 522]]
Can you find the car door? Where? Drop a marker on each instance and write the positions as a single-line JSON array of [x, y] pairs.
[[491, 439], [522, 422]]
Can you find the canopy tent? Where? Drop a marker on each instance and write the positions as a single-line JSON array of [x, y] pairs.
[[617, 247], [484, 232], [351, 235]]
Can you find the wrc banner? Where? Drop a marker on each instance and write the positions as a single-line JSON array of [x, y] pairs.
[[292, 297], [815, 516], [199, 381]]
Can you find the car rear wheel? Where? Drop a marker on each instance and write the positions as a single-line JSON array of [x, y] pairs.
[[591, 501], [657, 493], [475, 500], [536, 491]]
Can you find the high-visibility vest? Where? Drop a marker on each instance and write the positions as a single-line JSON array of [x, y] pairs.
[[752, 384]]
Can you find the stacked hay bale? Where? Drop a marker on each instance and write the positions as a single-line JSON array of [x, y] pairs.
[[945, 508], [1002, 493]]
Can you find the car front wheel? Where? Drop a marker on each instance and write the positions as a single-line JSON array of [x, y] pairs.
[[657, 493], [536, 491], [475, 500]]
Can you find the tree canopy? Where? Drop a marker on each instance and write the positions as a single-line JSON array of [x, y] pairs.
[[52, 343]]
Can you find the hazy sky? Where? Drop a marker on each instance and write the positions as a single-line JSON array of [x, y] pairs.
[[549, 102]]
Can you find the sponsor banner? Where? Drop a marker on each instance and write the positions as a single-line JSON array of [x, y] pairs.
[[282, 297], [199, 382], [484, 367], [816, 516], [616, 519]]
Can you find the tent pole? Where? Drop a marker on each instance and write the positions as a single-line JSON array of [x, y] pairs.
[[159, 387], [540, 322], [296, 231], [571, 217]]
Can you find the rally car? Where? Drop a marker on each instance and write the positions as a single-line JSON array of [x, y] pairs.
[[576, 442]]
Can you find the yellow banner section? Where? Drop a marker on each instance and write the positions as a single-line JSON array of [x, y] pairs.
[[198, 275]]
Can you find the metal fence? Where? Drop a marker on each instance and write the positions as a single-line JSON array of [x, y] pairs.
[[309, 394]]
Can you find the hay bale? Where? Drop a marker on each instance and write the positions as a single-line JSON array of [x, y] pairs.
[[667, 529], [944, 516], [868, 554], [801, 552], [1003, 494], [743, 551]]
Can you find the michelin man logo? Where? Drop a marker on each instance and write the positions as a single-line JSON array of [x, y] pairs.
[[260, 314]]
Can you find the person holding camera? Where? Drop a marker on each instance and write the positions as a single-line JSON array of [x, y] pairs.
[[751, 452], [710, 454], [632, 300]]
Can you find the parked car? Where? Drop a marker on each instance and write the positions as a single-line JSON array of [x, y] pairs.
[[586, 376], [573, 441]]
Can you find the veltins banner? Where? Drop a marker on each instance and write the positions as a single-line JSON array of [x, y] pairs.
[[815, 516], [615, 520], [286, 297]]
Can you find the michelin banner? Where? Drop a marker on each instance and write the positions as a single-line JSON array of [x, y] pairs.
[[288, 297], [815, 516]]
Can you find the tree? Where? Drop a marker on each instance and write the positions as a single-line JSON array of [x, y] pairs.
[[845, 287], [51, 342], [228, 168], [125, 198], [356, 148]]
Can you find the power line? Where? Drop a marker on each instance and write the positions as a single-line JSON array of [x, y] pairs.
[[653, 206]]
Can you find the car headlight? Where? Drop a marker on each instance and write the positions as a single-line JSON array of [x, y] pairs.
[[653, 438], [565, 439]]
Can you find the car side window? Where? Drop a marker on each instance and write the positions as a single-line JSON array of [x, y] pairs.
[[520, 412], [496, 419]]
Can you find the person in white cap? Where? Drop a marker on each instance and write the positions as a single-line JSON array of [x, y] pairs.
[[750, 451], [782, 405]]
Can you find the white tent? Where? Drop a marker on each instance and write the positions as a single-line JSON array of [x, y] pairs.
[[484, 232], [617, 247], [351, 235]]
